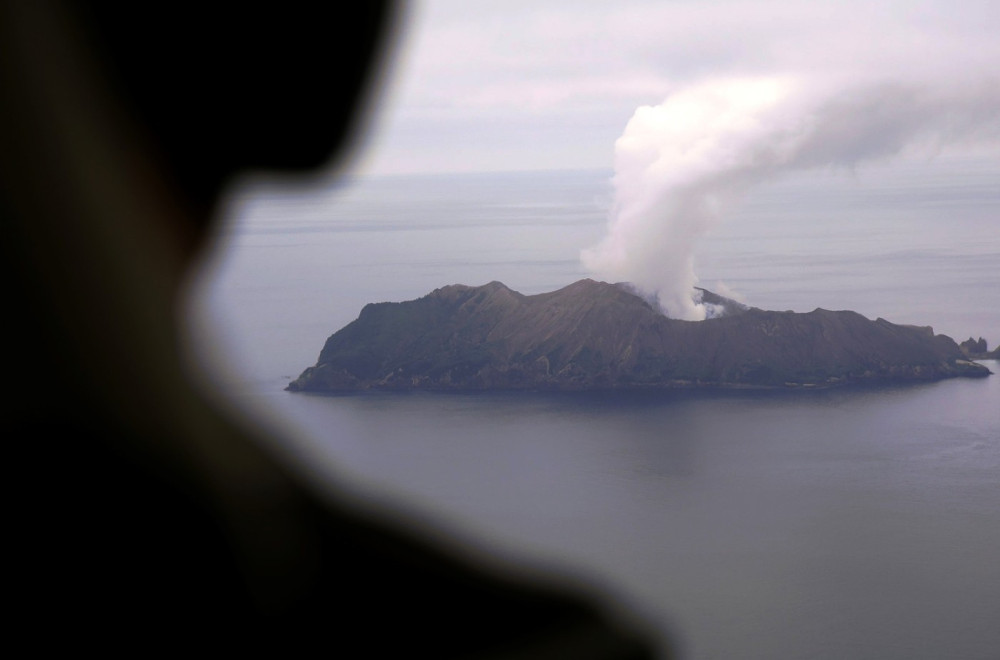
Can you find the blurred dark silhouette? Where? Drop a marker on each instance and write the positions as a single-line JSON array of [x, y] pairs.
[[143, 516]]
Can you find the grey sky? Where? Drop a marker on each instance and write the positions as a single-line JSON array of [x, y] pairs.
[[498, 85]]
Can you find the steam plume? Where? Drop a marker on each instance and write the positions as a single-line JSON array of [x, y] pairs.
[[679, 164]]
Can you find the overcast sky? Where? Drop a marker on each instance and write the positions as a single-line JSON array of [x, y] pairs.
[[510, 85]]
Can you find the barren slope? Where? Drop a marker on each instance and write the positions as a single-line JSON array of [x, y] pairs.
[[592, 335]]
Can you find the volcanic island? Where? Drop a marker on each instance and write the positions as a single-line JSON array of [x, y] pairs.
[[595, 335]]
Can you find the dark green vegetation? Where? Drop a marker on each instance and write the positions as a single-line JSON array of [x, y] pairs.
[[594, 335]]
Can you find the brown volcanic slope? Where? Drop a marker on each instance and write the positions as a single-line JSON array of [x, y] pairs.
[[594, 335]]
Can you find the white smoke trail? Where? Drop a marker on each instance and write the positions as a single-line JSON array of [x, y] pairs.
[[679, 164]]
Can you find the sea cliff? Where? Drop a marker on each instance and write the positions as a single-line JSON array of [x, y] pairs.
[[595, 335]]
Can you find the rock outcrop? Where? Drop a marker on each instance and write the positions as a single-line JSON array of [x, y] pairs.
[[594, 335], [978, 350]]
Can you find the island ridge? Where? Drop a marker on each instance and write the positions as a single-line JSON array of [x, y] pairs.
[[594, 335]]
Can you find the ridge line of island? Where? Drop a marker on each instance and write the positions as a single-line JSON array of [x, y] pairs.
[[595, 336]]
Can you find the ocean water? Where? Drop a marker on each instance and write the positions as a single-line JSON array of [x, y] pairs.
[[847, 523]]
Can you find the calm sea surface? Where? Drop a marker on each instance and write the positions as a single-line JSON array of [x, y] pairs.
[[827, 525]]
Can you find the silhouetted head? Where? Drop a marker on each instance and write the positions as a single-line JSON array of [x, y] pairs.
[[222, 89], [121, 125]]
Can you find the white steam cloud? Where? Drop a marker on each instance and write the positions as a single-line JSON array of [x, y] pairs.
[[680, 163]]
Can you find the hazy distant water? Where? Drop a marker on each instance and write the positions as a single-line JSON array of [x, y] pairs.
[[860, 524]]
